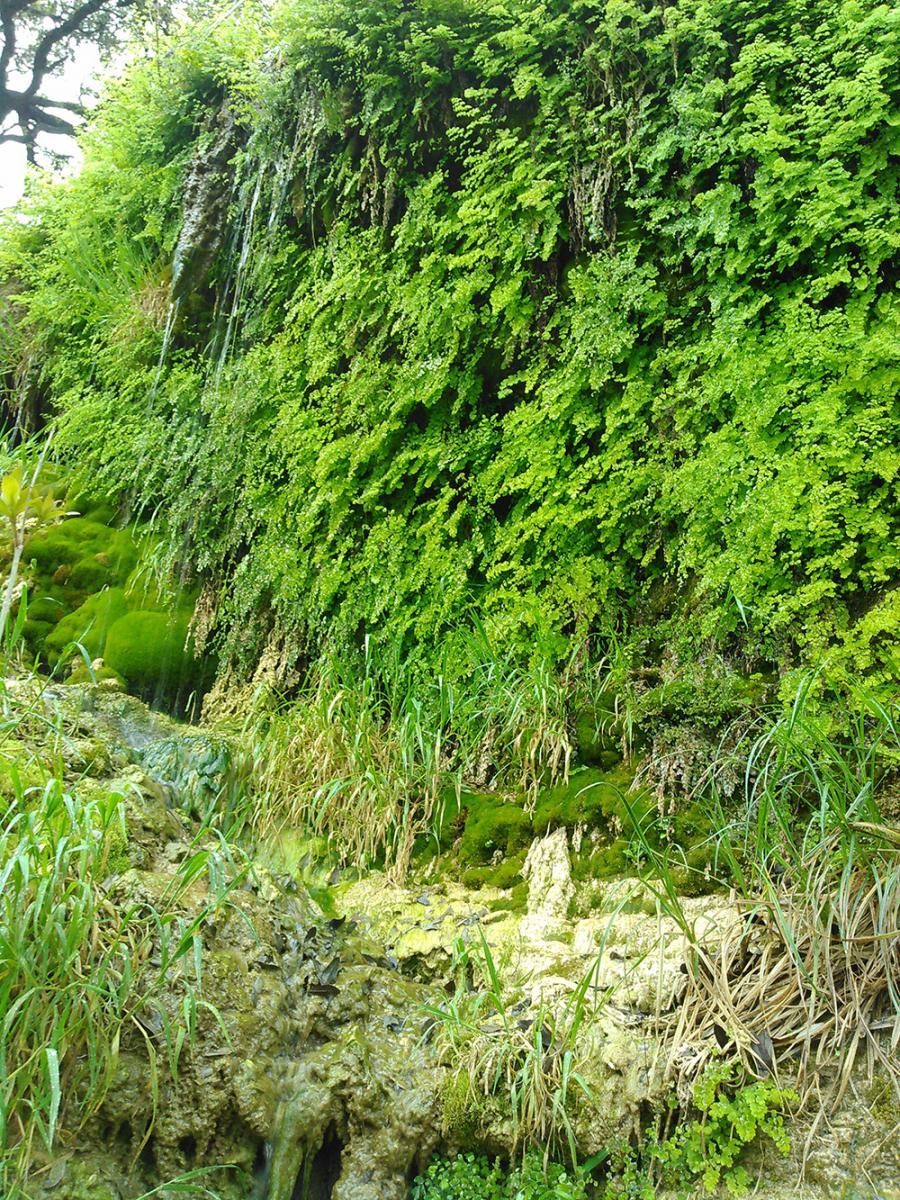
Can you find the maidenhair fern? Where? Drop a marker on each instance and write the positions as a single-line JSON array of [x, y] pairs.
[[575, 313]]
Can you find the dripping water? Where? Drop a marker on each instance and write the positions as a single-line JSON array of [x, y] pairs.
[[168, 332], [261, 184], [239, 279], [171, 318], [284, 174]]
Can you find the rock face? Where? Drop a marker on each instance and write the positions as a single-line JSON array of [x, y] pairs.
[[207, 191], [305, 1056], [634, 963], [548, 873]]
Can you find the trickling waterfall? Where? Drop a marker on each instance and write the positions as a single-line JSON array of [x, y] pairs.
[[240, 277], [171, 318]]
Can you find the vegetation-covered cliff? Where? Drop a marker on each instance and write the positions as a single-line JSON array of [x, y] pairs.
[[580, 316], [491, 409]]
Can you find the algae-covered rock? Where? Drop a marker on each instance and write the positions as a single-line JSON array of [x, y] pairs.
[[364, 1108], [285, 1002], [204, 771], [847, 1151], [311, 1055]]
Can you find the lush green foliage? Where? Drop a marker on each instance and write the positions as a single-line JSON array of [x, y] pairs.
[[373, 755], [703, 1150], [708, 1148], [469, 1178], [576, 312]]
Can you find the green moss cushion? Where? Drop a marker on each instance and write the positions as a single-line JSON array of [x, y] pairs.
[[79, 539], [89, 624], [150, 650], [45, 608], [91, 573], [492, 826]]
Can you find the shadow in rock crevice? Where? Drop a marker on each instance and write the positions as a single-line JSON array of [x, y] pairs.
[[319, 1174]]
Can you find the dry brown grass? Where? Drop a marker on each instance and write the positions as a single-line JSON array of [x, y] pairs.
[[807, 984], [811, 981]]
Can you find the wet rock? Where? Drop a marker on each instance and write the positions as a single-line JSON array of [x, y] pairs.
[[207, 191], [622, 1068], [847, 1151], [311, 1051]]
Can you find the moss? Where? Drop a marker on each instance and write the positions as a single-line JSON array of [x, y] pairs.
[[592, 798], [88, 577], [95, 506], [84, 674], [597, 733], [67, 566], [73, 540], [447, 828], [692, 878], [103, 511], [115, 848], [90, 573], [883, 1100], [46, 609], [142, 590], [515, 901], [89, 624], [508, 873], [505, 874], [150, 650], [606, 862], [492, 825], [476, 877], [36, 631], [462, 1111], [693, 831], [705, 696], [692, 822]]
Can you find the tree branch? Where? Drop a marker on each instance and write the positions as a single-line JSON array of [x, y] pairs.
[[9, 47], [32, 109], [50, 39]]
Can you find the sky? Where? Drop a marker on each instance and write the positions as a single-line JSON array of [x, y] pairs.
[[79, 73]]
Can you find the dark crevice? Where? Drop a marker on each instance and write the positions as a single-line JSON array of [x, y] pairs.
[[317, 1178]]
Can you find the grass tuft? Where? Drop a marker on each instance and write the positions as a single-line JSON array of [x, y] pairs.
[[81, 967], [371, 751]]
